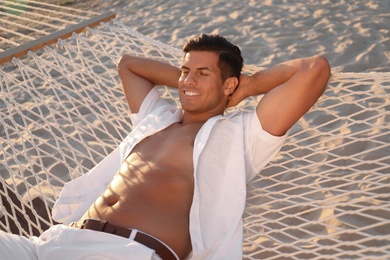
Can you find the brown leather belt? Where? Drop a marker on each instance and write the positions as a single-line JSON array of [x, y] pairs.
[[161, 249]]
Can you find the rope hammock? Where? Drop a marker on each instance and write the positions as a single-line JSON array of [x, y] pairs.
[[325, 195]]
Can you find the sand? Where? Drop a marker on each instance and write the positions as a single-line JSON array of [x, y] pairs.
[[355, 37]]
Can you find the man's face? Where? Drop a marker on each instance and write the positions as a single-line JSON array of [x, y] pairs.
[[200, 85]]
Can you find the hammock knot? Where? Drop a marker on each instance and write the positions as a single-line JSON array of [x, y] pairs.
[[60, 43], [14, 61]]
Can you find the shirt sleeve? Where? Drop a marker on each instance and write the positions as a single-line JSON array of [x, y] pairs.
[[261, 146]]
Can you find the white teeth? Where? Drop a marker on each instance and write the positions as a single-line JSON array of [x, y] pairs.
[[188, 93]]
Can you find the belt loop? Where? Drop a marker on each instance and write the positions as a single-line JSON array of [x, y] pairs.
[[133, 234], [102, 225]]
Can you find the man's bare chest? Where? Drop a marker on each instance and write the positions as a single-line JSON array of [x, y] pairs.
[[171, 147]]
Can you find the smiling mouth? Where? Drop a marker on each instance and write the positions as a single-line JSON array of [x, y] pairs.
[[191, 94]]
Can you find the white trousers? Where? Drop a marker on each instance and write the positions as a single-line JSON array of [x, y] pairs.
[[63, 242]]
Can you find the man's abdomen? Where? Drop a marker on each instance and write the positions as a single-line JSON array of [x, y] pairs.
[[155, 200]]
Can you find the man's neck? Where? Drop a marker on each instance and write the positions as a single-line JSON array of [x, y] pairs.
[[190, 118]]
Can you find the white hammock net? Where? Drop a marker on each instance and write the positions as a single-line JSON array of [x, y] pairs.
[[326, 195]]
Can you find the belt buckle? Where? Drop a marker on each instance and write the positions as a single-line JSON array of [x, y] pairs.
[[78, 225], [97, 225], [82, 226]]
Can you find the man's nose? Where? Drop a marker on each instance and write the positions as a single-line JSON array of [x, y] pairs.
[[190, 80]]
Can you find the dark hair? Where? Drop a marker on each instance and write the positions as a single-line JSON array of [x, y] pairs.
[[230, 61]]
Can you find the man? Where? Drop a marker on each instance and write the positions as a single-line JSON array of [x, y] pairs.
[[181, 184]]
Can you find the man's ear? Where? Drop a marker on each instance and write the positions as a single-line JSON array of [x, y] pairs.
[[230, 85]]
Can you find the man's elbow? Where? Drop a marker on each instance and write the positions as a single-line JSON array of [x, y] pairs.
[[323, 67], [124, 63], [322, 71]]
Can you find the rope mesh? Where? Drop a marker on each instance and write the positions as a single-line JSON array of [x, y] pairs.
[[325, 195], [24, 20]]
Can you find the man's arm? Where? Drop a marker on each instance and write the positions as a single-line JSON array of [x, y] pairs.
[[291, 89], [139, 75]]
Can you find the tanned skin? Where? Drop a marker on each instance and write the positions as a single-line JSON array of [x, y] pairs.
[[153, 189]]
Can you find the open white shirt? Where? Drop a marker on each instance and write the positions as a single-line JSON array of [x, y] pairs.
[[228, 152]]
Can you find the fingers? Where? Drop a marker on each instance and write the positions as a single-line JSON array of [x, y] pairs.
[[235, 98]]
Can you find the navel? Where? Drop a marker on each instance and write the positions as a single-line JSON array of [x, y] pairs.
[[110, 200]]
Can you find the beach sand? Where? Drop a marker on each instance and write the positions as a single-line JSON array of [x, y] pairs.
[[355, 37]]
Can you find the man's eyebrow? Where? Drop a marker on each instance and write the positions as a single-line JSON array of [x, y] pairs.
[[200, 68], [205, 68]]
